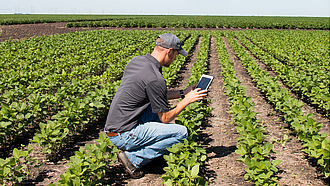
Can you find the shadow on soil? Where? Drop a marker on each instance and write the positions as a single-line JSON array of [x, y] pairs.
[[115, 177], [118, 176], [218, 151]]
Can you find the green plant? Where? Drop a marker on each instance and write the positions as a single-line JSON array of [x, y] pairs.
[[90, 164], [15, 168], [254, 150], [183, 163]]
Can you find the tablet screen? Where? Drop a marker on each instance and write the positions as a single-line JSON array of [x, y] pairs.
[[203, 83]]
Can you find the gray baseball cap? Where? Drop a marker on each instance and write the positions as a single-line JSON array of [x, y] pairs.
[[169, 40]]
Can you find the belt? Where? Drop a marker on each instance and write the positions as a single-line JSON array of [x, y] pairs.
[[112, 134]]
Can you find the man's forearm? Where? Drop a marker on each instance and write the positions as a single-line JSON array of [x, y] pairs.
[[191, 95], [166, 117], [173, 94]]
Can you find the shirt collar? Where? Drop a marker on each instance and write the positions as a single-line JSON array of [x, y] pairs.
[[154, 61]]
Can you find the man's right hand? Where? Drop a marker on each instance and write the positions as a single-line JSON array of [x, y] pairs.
[[195, 95]]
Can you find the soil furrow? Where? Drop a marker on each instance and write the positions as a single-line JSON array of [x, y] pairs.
[[184, 74], [219, 136]]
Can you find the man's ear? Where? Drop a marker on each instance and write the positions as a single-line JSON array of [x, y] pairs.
[[170, 51]]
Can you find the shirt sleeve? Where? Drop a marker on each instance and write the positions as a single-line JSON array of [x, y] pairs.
[[157, 94]]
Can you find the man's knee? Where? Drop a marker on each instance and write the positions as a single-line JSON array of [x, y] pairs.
[[183, 133]]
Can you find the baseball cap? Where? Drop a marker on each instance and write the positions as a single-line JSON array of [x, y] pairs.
[[169, 40]]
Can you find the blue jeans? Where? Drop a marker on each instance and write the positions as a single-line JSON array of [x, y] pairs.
[[149, 139]]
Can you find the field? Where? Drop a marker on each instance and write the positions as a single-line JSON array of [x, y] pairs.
[[174, 21], [270, 105]]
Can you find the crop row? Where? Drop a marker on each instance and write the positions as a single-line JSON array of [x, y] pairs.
[[185, 159], [316, 145], [254, 151], [177, 21], [12, 19], [200, 66], [210, 22]]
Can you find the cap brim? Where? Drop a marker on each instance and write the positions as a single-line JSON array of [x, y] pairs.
[[183, 52]]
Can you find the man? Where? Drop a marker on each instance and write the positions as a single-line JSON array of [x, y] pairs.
[[139, 115]]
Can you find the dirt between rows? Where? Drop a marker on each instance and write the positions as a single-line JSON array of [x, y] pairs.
[[218, 136], [18, 32]]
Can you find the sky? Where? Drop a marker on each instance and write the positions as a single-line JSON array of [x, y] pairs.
[[308, 8]]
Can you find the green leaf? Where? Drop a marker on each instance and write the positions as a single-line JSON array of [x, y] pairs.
[[176, 173], [276, 162], [203, 158], [195, 171], [16, 153], [168, 182]]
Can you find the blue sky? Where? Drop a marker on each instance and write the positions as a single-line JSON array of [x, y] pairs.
[[315, 8]]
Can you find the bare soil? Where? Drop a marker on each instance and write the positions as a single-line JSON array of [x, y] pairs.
[[218, 136]]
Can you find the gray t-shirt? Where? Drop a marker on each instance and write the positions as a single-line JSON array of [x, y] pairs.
[[142, 85]]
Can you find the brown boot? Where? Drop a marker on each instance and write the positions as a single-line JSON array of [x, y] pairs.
[[129, 167]]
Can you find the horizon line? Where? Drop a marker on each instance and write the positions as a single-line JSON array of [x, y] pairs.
[[21, 13]]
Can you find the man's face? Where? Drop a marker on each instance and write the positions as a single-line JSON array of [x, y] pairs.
[[171, 56]]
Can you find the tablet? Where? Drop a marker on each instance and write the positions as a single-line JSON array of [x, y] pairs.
[[204, 82]]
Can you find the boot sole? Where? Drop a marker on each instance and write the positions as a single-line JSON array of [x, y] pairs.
[[122, 155]]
